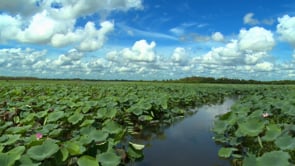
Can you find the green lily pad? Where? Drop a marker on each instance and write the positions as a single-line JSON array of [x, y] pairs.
[[55, 116], [137, 146], [25, 160], [109, 158], [98, 135], [41, 152], [87, 161], [74, 147], [9, 158], [251, 127], [272, 132], [9, 139], [220, 126], [75, 118], [285, 142], [112, 127], [226, 152], [19, 129], [274, 158]]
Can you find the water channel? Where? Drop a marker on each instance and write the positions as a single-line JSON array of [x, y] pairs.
[[188, 142]]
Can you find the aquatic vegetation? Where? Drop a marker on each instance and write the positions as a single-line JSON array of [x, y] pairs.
[[260, 128]]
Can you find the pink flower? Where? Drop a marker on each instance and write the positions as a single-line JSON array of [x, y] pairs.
[[39, 136], [265, 115]]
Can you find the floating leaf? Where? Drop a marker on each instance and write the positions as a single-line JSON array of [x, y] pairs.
[[274, 158], [136, 146], [109, 158], [285, 142], [41, 152], [98, 135], [87, 161], [74, 147], [112, 127], [55, 116], [252, 127], [75, 118], [272, 132], [226, 152], [220, 126]]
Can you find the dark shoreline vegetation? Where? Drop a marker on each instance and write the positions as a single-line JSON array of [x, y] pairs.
[[74, 122], [193, 79]]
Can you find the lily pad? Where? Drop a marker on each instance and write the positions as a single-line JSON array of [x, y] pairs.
[[74, 147], [9, 158], [220, 126], [251, 127], [226, 152], [55, 116], [109, 158], [137, 146], [87, 161], [285, 142], [41, 152], [272, 132], [274, 158]]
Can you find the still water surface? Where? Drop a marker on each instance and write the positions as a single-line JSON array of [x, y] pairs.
[[187, 143]]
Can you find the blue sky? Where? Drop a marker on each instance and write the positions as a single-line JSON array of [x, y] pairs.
[[148, 39]]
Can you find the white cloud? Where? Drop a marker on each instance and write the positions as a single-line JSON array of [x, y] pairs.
[[42, 27], [264, 66], [22, 7], [140, 51], [248, 19], [179, 56], [177, 30], [256, 39], [286, 28], [217, 36]]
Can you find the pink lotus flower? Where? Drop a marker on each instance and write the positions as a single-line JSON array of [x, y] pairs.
[[265, 115], [39, 136]]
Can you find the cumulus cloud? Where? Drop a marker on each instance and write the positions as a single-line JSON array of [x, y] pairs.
[[52, 22], [286, 28], [140, 51], [248, 19], [256, 39], [264, 66], [179, 56], [217, 36]]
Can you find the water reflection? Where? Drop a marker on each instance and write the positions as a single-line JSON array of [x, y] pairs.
[[188, 142]]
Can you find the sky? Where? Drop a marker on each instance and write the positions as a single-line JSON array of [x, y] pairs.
[[148, 39]]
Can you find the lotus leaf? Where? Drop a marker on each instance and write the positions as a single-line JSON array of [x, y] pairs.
[[112, 127], [74, 147], [109, 158], [87, 161], [25, 160], [55, 116], [9, 139], [285, 142], [98, 135], [18, 129], [274, 158], [136, 146], [41, 152], [75, 118], [220, 126], [252, 127], [226, 152], [87, 122], [272, 132]]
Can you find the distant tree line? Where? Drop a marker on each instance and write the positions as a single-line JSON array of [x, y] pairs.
[[193, 79]]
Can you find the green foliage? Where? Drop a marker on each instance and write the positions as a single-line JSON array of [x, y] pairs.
[[80, 120], [261, 127]]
